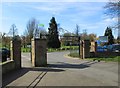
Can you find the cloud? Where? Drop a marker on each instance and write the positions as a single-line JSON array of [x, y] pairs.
[[7, 18], [109, 20], [50, 8], [89, 26], [55, 0], [82, 8]]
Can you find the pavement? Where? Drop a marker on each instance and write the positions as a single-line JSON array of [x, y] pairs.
[[63, 71]]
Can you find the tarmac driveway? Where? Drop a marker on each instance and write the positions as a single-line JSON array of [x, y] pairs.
[[64, 71], [79, 72]]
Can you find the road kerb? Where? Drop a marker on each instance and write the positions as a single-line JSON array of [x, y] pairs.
[[66, 55]]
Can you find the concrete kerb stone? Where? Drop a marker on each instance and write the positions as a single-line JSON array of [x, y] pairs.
[[74, 58], [66, 55]]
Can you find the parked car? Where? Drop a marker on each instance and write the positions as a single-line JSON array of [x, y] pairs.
[[5, 54], [109, 47], [101, 48], [116, 47]]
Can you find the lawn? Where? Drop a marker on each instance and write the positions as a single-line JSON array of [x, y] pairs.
[[62, 48], [25, 49], [108, 59], [114, 59]]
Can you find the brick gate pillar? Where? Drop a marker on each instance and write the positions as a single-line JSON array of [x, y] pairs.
[[86, 48], [93, 46], [81, 49], [39, 52], [15, 51]]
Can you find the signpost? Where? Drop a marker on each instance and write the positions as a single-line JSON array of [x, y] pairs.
[[103, 39]]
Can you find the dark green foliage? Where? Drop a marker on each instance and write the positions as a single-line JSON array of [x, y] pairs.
[[17, 37], [118, 39], [53, 40], [108, 32]]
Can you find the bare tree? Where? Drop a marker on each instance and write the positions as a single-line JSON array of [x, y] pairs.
[[13, 30], [77, 30], [3, 34], [23, 38], [84, 35], [112, 9], [43, 33], [32, 27], [92, 37], [5, 40]]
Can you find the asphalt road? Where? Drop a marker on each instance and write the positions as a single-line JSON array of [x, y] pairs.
[[75, 72], [65, 71]]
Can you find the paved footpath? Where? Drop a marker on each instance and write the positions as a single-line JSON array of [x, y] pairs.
[[64, 71]]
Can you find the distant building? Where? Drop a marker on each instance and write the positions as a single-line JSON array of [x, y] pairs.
[[67, 40]]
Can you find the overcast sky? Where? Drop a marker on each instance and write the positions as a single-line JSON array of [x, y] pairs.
[[88, 15]]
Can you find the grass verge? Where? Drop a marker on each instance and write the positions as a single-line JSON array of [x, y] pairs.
[[25, 49], [108, 59], [62, 48]]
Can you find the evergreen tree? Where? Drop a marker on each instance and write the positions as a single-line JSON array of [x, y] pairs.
[[108, 32], [118, 39], [53, 40]]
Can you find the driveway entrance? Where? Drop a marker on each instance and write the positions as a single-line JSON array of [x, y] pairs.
[[64, 71]]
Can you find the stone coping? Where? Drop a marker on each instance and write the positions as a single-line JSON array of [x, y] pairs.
[[8, 66]]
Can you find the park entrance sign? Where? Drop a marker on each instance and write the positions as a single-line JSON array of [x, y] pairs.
[[103, 39]]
